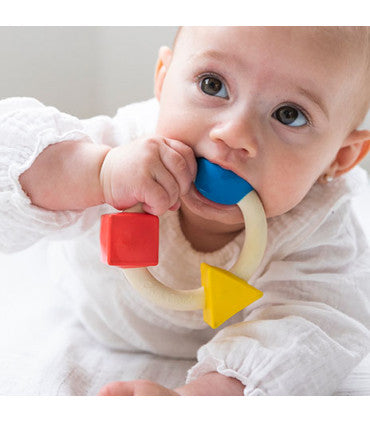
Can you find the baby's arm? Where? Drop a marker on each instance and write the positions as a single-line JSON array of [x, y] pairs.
[[65, 176], [31, 134], [77, 175], [27, 128]]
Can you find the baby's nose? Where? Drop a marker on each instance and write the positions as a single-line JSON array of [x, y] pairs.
[[237, 135]]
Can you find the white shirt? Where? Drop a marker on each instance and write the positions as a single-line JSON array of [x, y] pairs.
[[304, 336]]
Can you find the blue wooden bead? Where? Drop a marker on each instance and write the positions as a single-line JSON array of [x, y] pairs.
[[220, 185]]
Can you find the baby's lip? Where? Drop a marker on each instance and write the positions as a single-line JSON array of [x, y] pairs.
[[208, 202]]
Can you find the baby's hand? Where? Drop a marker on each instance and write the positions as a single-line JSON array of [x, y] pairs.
[[153, 171], [136, 388]]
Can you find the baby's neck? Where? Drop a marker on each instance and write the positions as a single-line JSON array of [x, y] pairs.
[[204, 235]]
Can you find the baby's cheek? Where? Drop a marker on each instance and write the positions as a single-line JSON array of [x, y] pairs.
[[282, 198], [170, 127], [178, 131]]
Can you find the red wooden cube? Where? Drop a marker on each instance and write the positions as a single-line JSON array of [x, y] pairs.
[[129, 239]]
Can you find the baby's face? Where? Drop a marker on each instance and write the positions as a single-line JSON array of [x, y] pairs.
[[271, 104]]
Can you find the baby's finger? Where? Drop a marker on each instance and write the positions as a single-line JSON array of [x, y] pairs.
[[156, 199], [168, 181], [186, 152], [176, 206], [176, 164]]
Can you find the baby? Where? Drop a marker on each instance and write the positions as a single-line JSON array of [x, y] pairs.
[[279, 107]]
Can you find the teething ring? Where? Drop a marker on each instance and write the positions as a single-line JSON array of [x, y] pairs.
[[223, 293], [203, 298]]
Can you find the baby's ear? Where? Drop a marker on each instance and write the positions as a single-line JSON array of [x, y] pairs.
[[354, 149], [162, 65]]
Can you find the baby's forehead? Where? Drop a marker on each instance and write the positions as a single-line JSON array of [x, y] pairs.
[[349, 45], [299, 45]]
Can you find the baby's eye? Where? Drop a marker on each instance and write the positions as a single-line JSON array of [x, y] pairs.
[[290, 116], [213, 86]]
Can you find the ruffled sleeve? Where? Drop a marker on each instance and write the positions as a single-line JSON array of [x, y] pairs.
[[311, 327]]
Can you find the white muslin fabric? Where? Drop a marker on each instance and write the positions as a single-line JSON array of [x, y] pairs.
[[303, 337]]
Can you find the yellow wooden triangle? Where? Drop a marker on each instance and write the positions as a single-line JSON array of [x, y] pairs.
[[225, 294]]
